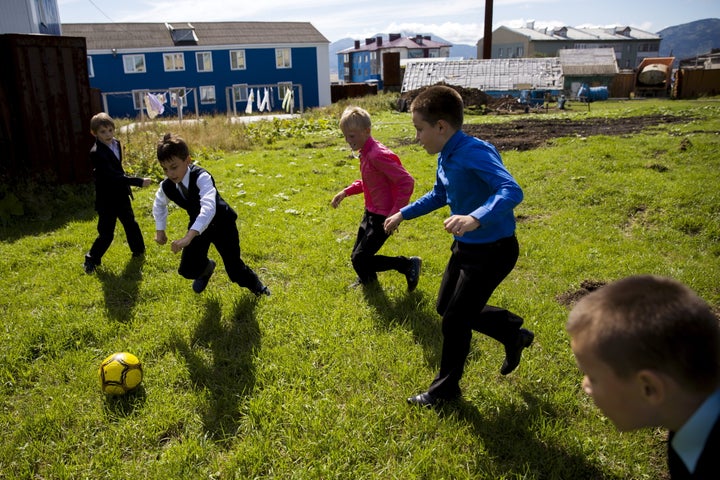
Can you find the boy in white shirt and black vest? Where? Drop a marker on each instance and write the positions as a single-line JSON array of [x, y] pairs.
[[211, 220]]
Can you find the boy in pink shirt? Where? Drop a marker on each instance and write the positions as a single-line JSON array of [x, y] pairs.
[[387, 187]]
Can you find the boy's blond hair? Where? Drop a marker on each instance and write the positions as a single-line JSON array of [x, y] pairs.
[[650, 322], [102, 119], [355, 117]]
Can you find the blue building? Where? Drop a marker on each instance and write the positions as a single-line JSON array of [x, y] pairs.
[[365, 63], [207, 67]]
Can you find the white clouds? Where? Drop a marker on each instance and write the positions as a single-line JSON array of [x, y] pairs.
[[457, 21]]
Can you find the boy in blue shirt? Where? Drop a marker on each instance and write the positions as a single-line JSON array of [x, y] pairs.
[[211, 220], [472, 180], [649, 350]]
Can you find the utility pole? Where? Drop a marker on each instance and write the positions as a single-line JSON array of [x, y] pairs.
[[487, 39]]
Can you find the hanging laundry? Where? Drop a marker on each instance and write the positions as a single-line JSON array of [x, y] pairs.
[[250, 100], [265, 104], [289, 100], [258, 99], [153, 105]]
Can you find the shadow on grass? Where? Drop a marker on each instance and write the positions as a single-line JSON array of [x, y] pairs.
[[220, 357], [47, 208], [409, 311], [121, 291], [516, 447], [121, 406]]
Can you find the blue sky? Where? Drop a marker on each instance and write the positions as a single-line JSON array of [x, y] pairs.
[[458, 21]]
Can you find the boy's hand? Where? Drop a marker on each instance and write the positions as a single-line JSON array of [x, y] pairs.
[[458, 225], [178, 245], [160, 237], [146, 182], [392, 222], [338, 198]]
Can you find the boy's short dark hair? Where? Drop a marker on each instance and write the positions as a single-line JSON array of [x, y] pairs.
[[171, 146], [101, 119], [650, 322], [439, 103]]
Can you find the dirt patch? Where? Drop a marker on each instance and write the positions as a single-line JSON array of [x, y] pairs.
[[571, 298], [527, 134]]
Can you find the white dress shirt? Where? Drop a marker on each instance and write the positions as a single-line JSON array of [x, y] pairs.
[[207, 203]]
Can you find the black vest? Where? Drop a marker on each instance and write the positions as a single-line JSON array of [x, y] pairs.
[[708, 465], [223, 211]]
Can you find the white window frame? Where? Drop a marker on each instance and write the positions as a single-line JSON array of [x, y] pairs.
[[283, 57], [134, 63], [203, 94], [175, 61], [282, 88], [177, 90], [240, 92], [236, 55], [204, 58], [90, 67], [139, 98]]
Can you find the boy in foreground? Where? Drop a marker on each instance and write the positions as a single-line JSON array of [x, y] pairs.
[[649, 349], [472, 180], [387, 187], [211, 220], [112, 193]]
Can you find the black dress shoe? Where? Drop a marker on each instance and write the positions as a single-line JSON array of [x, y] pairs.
[[200, 283], [514, 351], [413, 274], [425, 399]]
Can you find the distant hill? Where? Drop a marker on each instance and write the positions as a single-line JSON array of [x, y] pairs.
[[690, 39], [459, 50]]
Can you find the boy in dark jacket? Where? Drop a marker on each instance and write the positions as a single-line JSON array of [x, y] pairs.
[[649, 350], [112, 193]]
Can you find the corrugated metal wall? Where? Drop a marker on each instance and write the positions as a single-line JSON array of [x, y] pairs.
[[45, 108], [697, 83], [351, 90]]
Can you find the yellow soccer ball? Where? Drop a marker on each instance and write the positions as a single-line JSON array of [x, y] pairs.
[[120, 373]]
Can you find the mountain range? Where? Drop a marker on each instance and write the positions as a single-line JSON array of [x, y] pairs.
[[690, 39], [679, 41]]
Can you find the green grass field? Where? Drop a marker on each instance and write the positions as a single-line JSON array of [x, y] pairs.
[[311, 382]]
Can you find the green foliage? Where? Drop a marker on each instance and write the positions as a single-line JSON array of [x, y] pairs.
[[9, 205], [311, 382], [264, 133]]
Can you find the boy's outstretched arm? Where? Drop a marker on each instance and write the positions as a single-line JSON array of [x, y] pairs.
[[392, 222], [338, 198]]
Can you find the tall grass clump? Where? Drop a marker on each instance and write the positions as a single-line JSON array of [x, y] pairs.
[[311, 382]]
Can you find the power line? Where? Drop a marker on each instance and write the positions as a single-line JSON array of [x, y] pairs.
[[100, 10]]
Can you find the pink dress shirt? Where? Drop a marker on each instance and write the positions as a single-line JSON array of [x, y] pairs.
[[385, 183]]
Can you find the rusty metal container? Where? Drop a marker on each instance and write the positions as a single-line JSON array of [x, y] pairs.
[[45, 108]]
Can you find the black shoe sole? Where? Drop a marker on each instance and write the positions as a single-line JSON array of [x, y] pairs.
[[527, 339]]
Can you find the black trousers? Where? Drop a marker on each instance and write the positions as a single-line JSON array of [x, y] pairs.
[[226, 239], [107, 219], [472, 274], [371, 237]]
